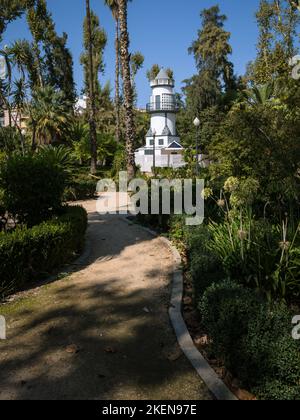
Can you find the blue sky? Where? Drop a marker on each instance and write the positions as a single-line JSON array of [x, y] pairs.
[[161, 29]]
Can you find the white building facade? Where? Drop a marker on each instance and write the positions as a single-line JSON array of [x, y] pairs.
[[163, 148]]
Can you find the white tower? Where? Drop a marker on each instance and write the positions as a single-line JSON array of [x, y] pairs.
[[162, 108]]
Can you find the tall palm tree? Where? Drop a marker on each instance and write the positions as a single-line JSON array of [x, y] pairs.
[[92, 103], [127, 86], [114, 6]]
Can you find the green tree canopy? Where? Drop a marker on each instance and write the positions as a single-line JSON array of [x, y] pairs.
[[211, 50], [277, 23], [99, 41]]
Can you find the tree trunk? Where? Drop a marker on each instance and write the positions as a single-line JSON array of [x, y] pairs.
[[128, 93], [37, 55], [16, 124], [117, 83], [33, 140], [92, 107]]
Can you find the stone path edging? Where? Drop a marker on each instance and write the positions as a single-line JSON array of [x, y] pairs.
[[216, 386]]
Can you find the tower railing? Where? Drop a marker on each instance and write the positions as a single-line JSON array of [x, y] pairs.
[[162, 106]]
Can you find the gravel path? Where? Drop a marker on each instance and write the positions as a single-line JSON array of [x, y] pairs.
[[102, 332]]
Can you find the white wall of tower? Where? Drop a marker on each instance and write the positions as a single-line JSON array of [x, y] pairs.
[[159, 121]]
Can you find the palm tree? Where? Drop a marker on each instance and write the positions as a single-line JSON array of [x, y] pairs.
[[260, 95], [127, 86], [78, 134], [114, 6], [92, 104], [22, 57], [19, 102], [48, 115]]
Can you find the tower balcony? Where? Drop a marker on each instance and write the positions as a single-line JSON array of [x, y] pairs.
[[162, 82], [162, 107]]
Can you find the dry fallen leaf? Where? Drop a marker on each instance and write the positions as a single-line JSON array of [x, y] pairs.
[[72, 349], [244, 395]]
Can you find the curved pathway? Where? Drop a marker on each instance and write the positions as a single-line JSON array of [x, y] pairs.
[[102, 332]]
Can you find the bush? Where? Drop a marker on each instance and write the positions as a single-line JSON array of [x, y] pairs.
[[80, 188], [205, 267], [272, 357], [226, 310], [33, 188], [26, 254], [256, 253], [119, 162], [253, 339]]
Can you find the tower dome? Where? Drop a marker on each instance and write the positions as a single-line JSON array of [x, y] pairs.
[[162, 79]]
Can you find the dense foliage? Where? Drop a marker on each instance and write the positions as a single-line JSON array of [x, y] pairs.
[[26, 254], [245, 260], [253, 339], [33, 188]]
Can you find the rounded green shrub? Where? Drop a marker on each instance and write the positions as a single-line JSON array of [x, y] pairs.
[[226, 310], [253, 339], [271, 355], [32, 188]]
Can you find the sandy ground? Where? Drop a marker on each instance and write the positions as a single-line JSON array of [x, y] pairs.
[[102, 332]]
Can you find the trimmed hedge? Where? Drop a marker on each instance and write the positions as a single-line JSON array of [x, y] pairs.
[[26, 254], [253, 339]]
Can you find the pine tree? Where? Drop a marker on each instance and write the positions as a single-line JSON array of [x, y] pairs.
[[56, 66], [99, 41], [10, 10], [215, 71]]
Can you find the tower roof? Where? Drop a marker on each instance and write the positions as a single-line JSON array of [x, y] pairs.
[[162, 75]]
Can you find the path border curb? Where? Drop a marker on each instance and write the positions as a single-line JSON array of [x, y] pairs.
[[215, 385]]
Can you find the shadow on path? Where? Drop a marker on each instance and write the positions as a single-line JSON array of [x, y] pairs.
[[103, 332]]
